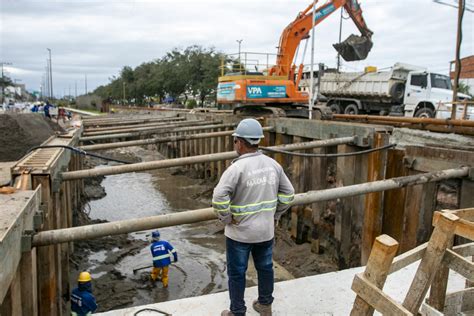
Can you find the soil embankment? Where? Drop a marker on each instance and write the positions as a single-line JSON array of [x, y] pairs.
[[22, 131]]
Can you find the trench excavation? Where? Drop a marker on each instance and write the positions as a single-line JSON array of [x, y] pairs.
[[85, 213]]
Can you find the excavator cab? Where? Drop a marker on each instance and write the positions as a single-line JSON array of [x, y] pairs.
[[354, 47]]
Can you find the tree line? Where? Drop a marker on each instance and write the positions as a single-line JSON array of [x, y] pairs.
[[191, 72]]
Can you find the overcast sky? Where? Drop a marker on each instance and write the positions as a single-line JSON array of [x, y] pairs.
[[99, 37]]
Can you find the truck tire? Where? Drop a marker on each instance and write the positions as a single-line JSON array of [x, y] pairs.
[[335, 108], [397, 91], [425, 112], [351, 109]]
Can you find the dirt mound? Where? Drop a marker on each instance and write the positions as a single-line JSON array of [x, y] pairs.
[[20, 132]]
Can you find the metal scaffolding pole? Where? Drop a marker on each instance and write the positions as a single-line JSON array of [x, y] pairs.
[[157, 140], [412, 120], [123, 122], [158, 126], [98, 130], [174, 130], [168, 163], [57, 236]]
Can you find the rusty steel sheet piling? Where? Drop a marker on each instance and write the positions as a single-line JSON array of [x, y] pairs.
[[157, 140], [188, 217], [196, 127], [160, 164], [157, 126]]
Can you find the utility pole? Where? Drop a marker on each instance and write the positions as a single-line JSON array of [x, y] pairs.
[[457, 60], [85, 84], [311, 81], [48, 90], [240, 42], [340, 34], [50, 73], [3, 82]]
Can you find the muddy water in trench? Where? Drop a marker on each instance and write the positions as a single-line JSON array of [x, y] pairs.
[[201, 266]]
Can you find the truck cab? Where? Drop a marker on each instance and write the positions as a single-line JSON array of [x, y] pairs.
[[425, 92]]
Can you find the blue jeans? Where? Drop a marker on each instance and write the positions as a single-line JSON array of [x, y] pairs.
[[237, 261]]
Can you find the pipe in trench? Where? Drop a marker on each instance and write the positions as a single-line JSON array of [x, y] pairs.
[[124, 125], [123, 120], [57, 236], [158, 126], [413, 120], [168, 163], [157, 140], [174, 130]]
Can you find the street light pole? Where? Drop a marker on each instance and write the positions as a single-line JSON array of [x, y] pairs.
[[240, 42], [50, 73]]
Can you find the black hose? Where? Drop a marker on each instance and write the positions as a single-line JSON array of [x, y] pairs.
[[278, 151], [80, 152], [147, 309]]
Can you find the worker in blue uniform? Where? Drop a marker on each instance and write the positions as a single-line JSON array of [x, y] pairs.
[[82, 300], [161, 251]]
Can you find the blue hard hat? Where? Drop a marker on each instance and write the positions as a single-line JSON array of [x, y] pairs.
[[155, 234]]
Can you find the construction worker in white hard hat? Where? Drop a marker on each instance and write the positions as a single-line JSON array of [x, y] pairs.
[[82, 300], [251, 194]]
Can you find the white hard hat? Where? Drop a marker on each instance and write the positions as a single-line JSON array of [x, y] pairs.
[[250, 130]]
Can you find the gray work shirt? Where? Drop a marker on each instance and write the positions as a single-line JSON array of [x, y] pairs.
[[251, 194]]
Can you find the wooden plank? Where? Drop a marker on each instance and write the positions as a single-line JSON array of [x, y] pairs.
[[47, 280], [465, 250], [374, 296], [430, 262], [346, 173], [440, 284], [28, 279], [372, 225], [410, 221], [376, 271], [408, 258], [394, 200], [459, 264], [463, 228]]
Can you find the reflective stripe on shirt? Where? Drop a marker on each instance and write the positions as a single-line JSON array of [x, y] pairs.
[[285, 199], [221, 206], [162, 257], [264, 206]]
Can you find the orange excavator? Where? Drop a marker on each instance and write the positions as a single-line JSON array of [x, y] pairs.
[[276, 89]]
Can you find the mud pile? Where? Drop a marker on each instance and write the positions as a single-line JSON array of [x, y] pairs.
[[20, 132]]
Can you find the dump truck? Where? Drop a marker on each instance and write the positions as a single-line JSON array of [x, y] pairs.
[[404, 90]]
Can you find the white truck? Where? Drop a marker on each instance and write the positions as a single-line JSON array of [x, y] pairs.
[[404, 90]]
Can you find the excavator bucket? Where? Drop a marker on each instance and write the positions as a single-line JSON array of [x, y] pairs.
[[354, 47]]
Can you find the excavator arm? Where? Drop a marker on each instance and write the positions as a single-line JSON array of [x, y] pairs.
[[353, 48]]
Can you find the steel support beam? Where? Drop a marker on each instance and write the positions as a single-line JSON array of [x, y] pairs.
[[155, 127], [161, 130], [157, 140], [168, 163], [131, 124], [188, 217], [411, 120]]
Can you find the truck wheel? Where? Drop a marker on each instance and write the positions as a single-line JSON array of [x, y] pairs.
[[351, 109], [335, 108], [397, 91], [425, 112]]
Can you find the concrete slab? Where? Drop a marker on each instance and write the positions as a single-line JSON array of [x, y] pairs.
[[325, 294], [16, 216], [5, 172]]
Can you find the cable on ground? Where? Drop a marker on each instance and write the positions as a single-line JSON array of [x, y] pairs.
[[80, 152]]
